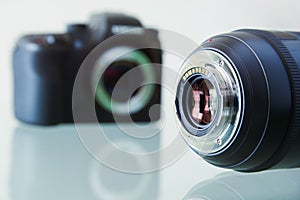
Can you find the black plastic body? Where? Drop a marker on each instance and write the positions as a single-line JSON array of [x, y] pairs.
[[45, 67], [268, 65]]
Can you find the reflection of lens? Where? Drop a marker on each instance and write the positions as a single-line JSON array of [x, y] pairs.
[[124, 80], [256, 78], [275, 185]]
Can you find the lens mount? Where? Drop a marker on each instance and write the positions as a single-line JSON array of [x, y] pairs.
[[209, 102], [131, 65]]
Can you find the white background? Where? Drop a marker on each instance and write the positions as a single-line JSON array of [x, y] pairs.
[[196, 19]]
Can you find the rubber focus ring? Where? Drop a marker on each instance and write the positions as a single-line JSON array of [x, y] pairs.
[[294, 77]]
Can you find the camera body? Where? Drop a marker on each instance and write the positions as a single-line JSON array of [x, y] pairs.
[[46, 65]]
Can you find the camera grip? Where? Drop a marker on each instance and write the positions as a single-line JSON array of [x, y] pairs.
[[38, 81]]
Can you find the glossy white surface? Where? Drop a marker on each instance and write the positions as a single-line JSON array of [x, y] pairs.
[[26, 174]]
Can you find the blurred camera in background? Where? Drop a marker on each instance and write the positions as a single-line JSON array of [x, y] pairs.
[[120, 76]]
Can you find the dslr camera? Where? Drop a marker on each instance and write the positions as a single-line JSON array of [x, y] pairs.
[[117, 54]]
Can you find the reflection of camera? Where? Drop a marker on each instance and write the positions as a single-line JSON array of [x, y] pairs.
[[46, 65], [51, 164], [250, 86]]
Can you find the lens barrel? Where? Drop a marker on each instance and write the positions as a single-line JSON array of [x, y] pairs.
[[256, 121]]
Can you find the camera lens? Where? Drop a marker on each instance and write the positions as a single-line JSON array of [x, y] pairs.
[[238, 100], [124, 79]]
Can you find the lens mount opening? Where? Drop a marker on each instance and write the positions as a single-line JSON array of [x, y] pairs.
[[208, 81], [124, 79], [200, 103]]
